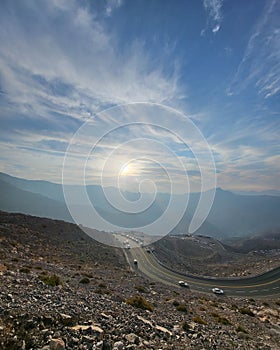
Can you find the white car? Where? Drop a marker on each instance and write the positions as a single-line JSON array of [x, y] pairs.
[[217, 291], [183, 284]]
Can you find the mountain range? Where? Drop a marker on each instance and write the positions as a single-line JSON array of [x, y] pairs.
[[232, 215]]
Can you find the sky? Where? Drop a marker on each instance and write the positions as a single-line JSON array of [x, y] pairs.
[[194, 76]]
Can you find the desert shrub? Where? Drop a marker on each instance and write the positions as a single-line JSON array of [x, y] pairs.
[[246, 311], [265, 303], [223, 320], [84, 280], [102, 285], [140, 302], [88, 275], [24, 270], [176, 303], [182, 308], [198, 319], [220, 319], [51, 280], [241, 329], [185, 326], [141, 289], [43, 273], [277, 303], [103, 291]]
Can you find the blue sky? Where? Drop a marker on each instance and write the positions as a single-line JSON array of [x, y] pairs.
[[216, 61]]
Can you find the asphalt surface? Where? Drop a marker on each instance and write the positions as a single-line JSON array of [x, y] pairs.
[[265, 285]]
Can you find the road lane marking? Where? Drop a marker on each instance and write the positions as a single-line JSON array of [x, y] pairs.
[[154, 265]]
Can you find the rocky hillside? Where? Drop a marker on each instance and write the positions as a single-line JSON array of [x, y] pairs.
[[203, 255], [61, 290]]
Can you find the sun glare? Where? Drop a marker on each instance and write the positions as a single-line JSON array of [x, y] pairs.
[[125, 170]]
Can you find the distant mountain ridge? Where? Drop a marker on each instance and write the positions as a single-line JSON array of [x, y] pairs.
[[231, 214], [14, 199]]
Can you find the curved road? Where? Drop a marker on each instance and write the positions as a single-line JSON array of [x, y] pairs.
[[267, 284]]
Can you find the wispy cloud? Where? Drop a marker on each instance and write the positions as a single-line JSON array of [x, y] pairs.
[[111, 5], [55, 74], [213, 9], [260, 65], [82, 57]]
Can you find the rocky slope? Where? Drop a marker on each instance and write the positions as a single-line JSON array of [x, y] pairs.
[[60, 290], [203, 255]]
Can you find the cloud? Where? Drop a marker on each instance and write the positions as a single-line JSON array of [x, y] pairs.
[[111, 5], [59, 66], [260, 65], [78, 53], [246, 154], [213, 9]]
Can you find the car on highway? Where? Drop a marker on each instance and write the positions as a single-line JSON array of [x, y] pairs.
[[183, 284], [135, 262], [217, 291]]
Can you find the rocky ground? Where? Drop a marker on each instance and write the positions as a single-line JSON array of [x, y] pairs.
[[60, 290]]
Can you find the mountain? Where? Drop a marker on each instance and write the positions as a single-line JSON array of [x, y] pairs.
[[231, 215], [258, 193], [13, 199], [237, 215], [44, 188], [46, 199]]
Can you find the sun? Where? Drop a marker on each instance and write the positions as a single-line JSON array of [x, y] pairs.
[[125, 170]]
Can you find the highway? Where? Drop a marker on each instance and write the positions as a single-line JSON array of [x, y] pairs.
[[265, 285]]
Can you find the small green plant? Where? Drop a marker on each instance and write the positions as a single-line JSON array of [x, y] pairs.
[[220, 319], [182, 308], [141, 289], [223, 320], [185, 326], [241, 329], [52, 280], [246, 311], [198, 319], [84, 280], [103, 291], [88, 275], [24, 270], [140, 302], [102, 285]]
